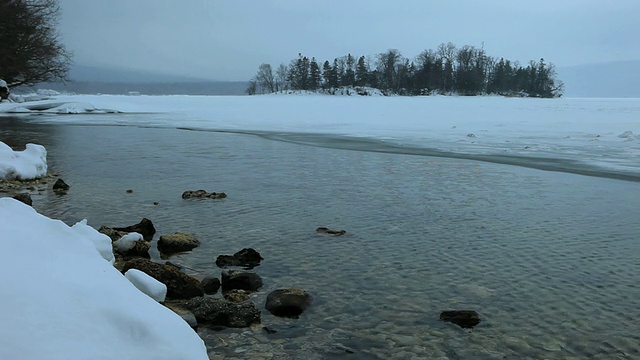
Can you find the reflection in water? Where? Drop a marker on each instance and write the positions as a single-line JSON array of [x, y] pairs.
[[549, 260]]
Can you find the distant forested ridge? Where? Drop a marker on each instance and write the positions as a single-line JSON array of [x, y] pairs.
[[448, 70]]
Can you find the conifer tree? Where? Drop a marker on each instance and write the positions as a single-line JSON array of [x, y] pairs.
[[362, 72], [314, 75]]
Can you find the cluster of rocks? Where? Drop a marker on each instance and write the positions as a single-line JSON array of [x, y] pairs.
[[193, 299], [23, 189], [202, 194]]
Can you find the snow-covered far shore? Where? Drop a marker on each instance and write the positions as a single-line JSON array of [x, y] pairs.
[[62, 298], [599, 132]]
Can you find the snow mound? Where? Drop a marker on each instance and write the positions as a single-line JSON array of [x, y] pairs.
[[128, 241], [628, 135], [29, 163], [101, 241], [148, 285], [61, 300], [40, 104]]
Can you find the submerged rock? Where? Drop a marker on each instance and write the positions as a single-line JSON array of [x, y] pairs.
[[210, 285], [464, 318], [324, 230], [237, 295], [60, 186], [114, 235], [177, 242], [221, 312], [202, 194], [234, 279], [144, 227], [247, 257], [288, 302], [25, 198], [179, 284]]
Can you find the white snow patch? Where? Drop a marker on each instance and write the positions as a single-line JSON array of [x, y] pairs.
[[61, 300], [128, 241], [147, 284], [27, 164], [101, 241]]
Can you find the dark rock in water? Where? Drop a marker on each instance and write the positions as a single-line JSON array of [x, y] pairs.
[[201, 194], [233, 279], [129, 191], [60, 185], [288, 302], [464, 318], [169, 263], [269, 330], [220, 312], [210, 285], [247, 257], [177, 242], [179, 284], [237, 295], [25, 198], [324, 230], [113, 234], [144, 227]]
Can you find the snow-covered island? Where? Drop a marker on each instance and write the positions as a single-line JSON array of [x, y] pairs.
[[61, 296]]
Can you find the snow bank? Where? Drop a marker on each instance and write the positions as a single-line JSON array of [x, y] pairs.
[[100, 241], [148, 285], [30, 163], [61, 300]]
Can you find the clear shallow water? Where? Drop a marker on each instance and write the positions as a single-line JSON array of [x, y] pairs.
[[549, 260]]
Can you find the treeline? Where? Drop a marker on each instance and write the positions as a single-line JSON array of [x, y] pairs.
[[448, 70]]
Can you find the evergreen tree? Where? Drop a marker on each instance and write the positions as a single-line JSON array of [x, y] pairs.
[[335, 74], [327, 75], [349, 71], [314, 75], [362, 73]]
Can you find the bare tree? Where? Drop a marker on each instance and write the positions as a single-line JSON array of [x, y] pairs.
[[31, 50], [281, 78], [252, 88], [265, 78]]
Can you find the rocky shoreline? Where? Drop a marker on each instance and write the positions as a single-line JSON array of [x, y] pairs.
[[215, 302]]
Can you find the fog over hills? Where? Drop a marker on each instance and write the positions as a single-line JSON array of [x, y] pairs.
[[611, 79], [102, 80]]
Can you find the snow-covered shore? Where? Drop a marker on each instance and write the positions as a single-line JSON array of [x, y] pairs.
[[61, 296], [62, 300], [599, 132]]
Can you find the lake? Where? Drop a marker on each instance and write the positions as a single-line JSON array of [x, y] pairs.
[[548, 259]]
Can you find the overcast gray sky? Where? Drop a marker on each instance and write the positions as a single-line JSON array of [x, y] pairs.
[[229, 39]]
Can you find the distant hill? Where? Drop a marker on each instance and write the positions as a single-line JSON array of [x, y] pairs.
[[82, 73], [100, 80], [612, 79]]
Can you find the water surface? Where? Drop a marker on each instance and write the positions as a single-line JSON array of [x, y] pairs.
[[548, 259]]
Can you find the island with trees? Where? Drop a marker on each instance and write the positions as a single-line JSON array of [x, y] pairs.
[[448, 70]]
